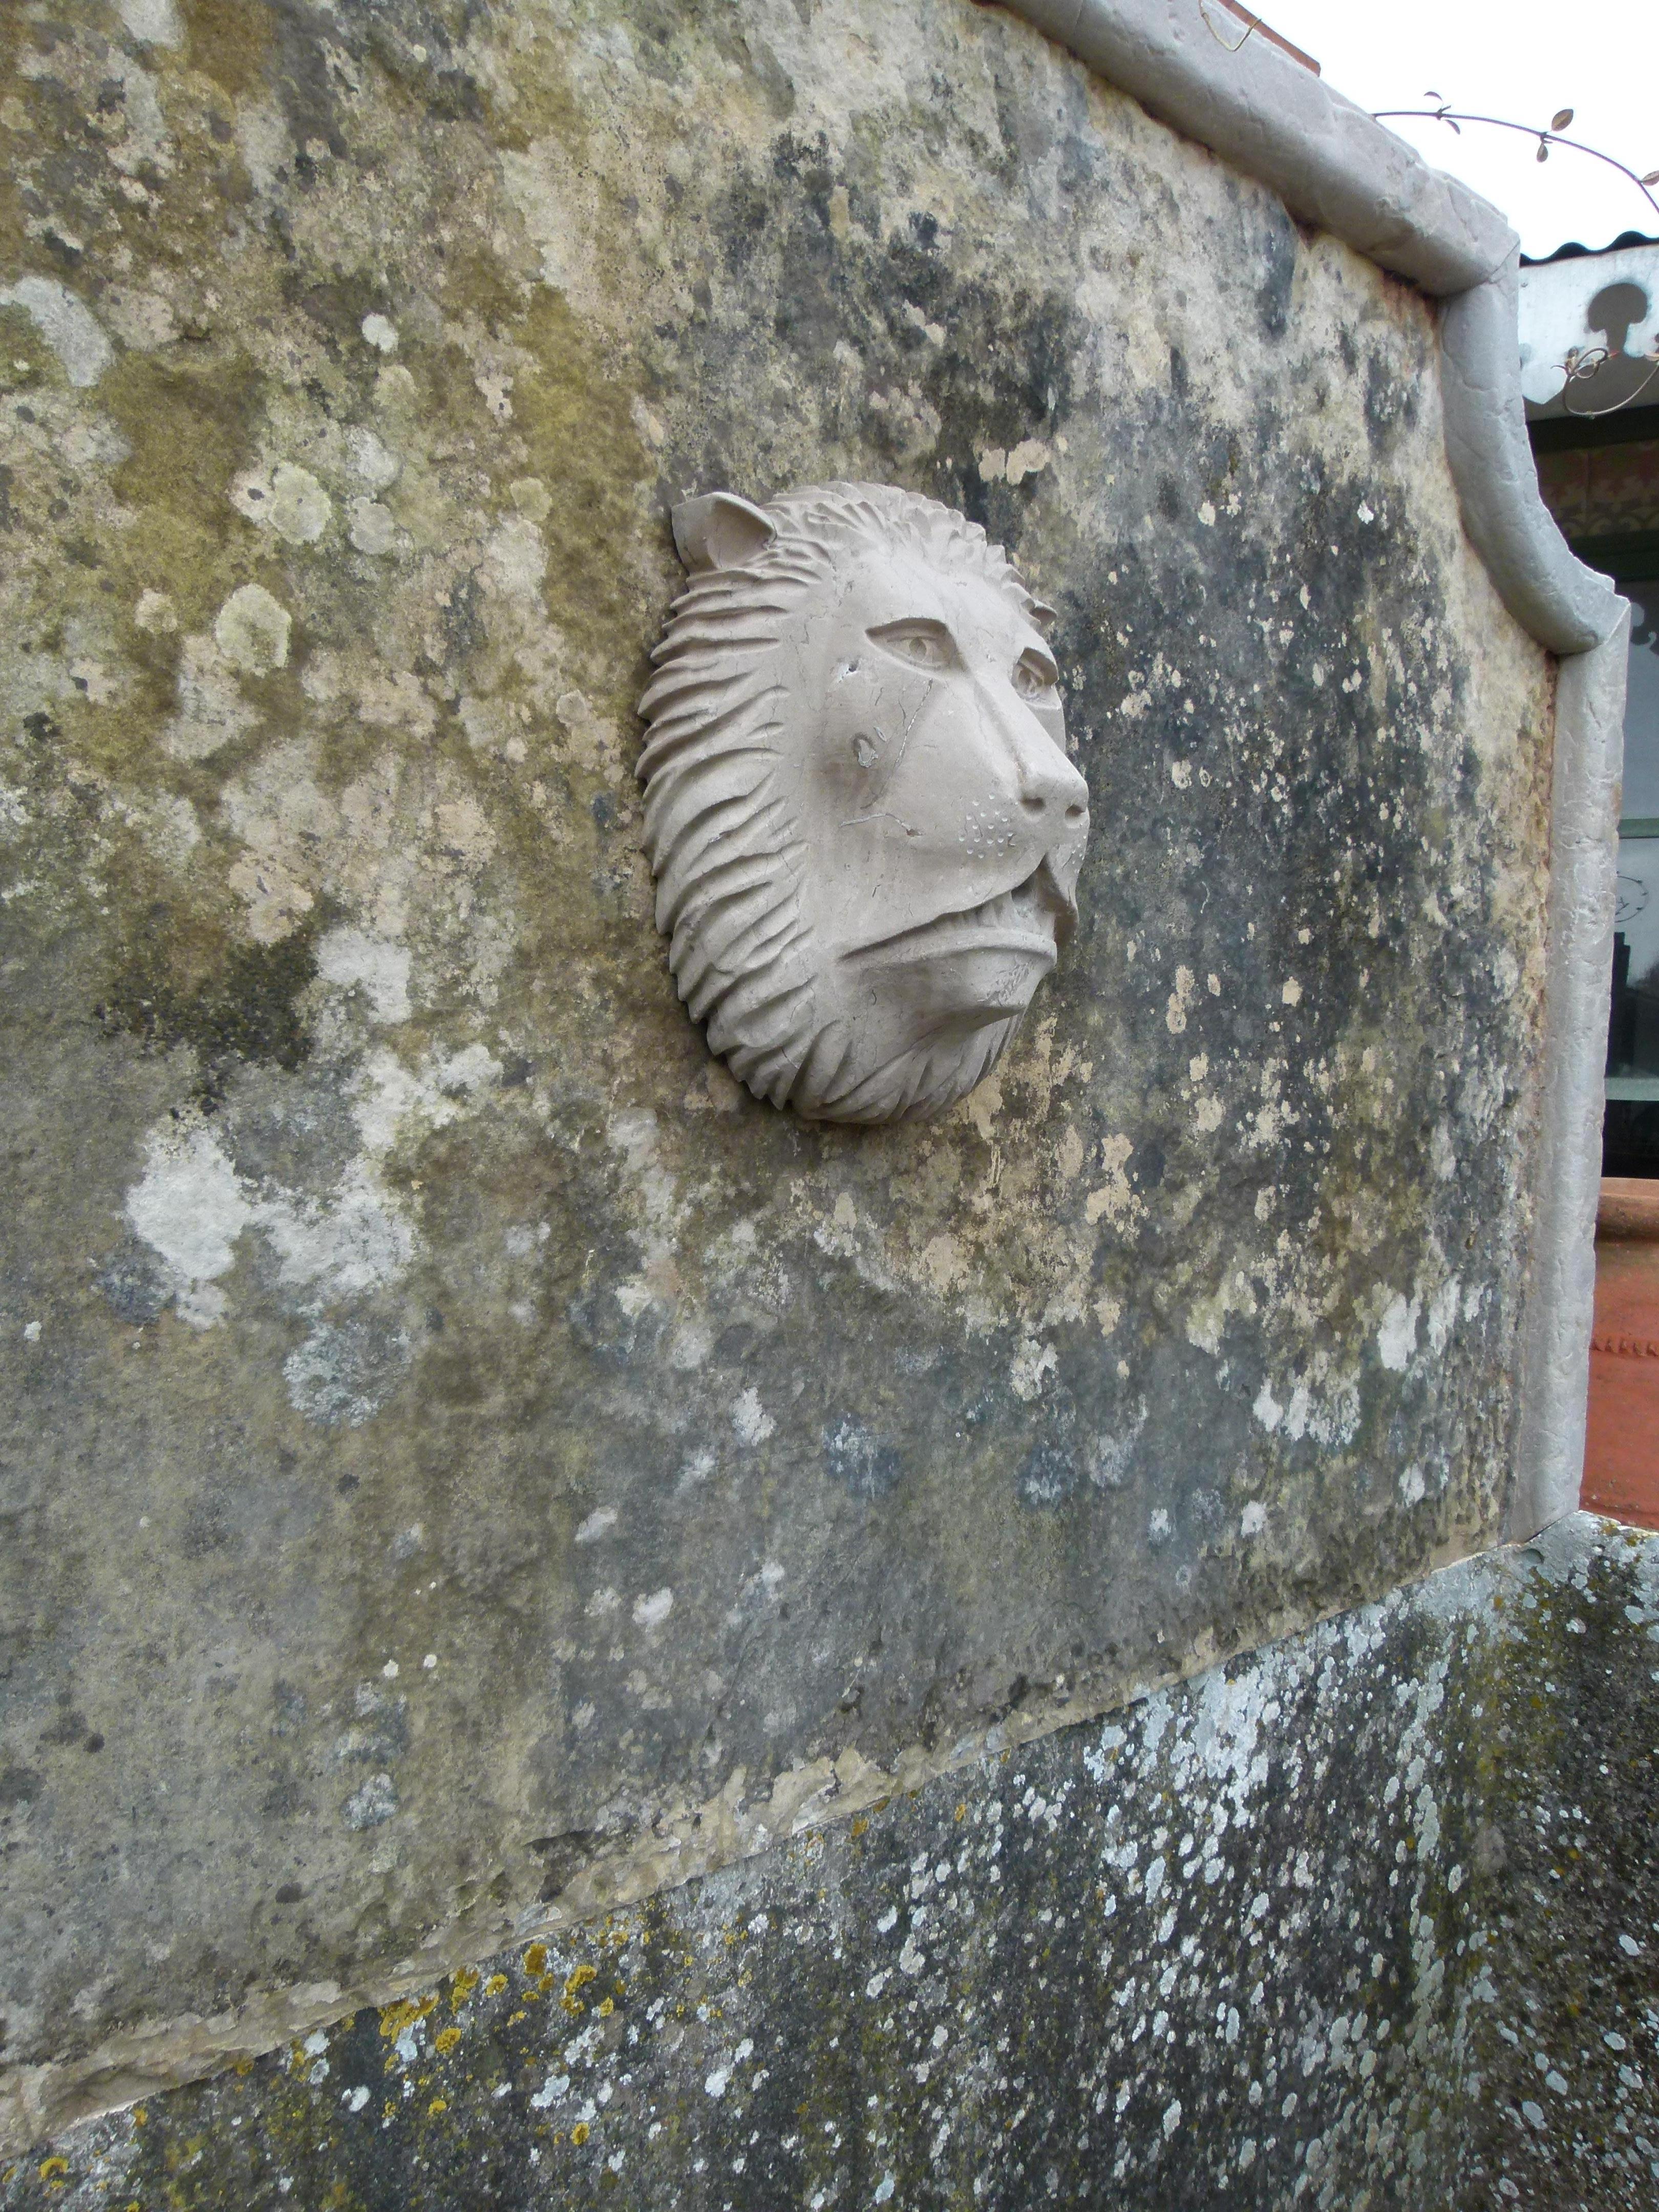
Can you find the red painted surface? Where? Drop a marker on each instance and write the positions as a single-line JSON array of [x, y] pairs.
[[1621, 1449], [1265, 31]]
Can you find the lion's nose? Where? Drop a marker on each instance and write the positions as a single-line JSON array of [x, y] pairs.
[[1049, 785]]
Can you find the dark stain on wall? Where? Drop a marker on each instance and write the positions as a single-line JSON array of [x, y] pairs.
[[250, 1012]]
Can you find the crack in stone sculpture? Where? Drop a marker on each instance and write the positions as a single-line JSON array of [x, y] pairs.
[[865, 830]]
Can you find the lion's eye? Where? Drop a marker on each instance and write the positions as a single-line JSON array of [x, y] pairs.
[[923, 644], [1034, 678]]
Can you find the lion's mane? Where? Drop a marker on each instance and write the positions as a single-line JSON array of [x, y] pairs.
[[721, 831]]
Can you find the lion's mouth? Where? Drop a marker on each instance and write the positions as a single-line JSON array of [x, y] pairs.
[[1025, 909], [1026, 919]]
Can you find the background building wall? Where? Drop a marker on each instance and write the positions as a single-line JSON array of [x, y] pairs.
[[463, 1454]]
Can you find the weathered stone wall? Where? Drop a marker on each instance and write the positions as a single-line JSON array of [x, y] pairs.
[[1368, 1919], [460, 1451]]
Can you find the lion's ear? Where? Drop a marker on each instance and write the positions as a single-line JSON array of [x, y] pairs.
[[719, 531]]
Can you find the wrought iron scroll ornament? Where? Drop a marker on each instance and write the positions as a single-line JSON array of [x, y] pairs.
[[864, 828], [1582, 364], [1455, 118]]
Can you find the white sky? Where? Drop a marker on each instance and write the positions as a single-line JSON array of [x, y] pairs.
[[1522, 60]]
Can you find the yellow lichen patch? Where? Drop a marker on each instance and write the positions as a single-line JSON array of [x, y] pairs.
[[462, 1982], [395, 2017], [535, 1959], [445, 2040], [579, 1979], [606, 2007], [52, 2165], [860, 1826], [578, 2133], [495, 1985], [438, 2104]]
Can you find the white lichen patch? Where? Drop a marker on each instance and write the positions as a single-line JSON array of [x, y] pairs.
[[212, 712], [381, 968], [1396, 1333], [286, 498], [66, 323], [190, 1206], [252, 630], [154, 23]]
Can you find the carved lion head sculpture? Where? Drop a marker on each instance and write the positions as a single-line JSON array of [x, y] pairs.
[[864, 828]]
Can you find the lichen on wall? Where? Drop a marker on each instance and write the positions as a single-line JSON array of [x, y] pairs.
[[1268, 1938], [456, 1441]]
